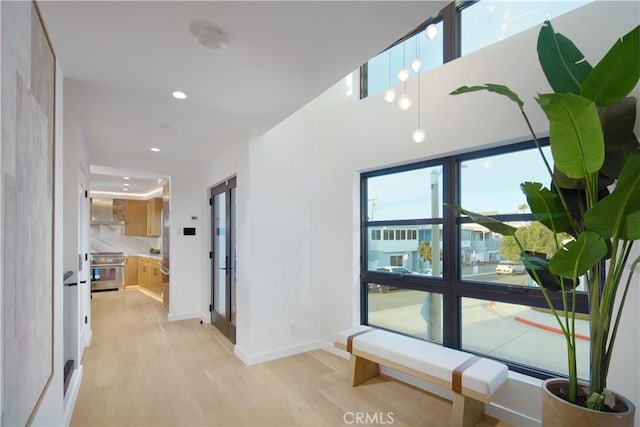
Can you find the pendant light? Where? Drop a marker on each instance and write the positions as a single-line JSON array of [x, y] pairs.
[[403, 74], [432, 31], [390, 92], [416, 64], [404, 102], [418, 135]]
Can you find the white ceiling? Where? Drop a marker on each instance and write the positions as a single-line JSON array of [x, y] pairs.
[[122, 60]]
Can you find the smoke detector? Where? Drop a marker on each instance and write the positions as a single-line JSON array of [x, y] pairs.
[[209, 35]]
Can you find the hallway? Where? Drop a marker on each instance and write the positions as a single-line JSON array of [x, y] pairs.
[[142, 370]]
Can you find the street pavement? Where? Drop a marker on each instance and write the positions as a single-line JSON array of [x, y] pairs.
[[512, 332]]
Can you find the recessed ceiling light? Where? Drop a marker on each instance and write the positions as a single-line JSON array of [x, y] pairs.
[[126, 184], [126, 177], [125, 189], [179, 95], [155, 149]]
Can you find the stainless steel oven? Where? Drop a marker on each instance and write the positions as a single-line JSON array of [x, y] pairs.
[[107, 270]]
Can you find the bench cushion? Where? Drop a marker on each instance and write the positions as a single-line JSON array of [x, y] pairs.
[[483, 377], [341, 339], [419, 355]]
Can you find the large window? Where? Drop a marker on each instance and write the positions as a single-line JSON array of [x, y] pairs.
[[460, 28], [431, 273], [382, 70], [489, 22]]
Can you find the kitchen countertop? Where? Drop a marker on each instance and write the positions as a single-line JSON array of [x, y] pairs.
[[151, 256]]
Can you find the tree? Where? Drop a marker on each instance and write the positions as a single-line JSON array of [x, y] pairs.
[[425, 251], [535, 237], [523, 207]]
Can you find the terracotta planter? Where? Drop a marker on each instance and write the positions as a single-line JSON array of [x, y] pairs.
[[557, 412]]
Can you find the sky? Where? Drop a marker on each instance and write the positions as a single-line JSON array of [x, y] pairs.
[[483, 23], [488, 185]]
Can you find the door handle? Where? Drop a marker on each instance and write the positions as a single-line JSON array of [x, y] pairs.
[[226, 264], [82, 282]]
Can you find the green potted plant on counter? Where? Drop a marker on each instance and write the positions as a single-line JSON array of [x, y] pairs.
[[594, 149]]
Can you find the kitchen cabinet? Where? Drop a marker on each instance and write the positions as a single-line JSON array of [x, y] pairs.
[[131, 271], [154, 217], [108, 211], [135, 223], [143, 217], [149, 275]]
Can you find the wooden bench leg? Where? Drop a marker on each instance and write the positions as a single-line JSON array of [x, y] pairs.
[[465, 412], [362, 370]]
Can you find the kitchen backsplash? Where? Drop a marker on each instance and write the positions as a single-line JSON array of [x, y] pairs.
[[111, 238]]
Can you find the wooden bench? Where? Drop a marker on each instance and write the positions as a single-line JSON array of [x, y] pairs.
[[473, 379]]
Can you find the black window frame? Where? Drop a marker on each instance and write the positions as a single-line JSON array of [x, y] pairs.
[[451, 285], [450, 18]]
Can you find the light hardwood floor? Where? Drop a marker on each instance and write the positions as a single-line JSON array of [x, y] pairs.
[[143, 370]]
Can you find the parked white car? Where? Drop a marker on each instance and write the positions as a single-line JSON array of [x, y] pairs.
[[508, 267]]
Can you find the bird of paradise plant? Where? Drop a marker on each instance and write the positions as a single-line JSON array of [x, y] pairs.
[[593, 147]]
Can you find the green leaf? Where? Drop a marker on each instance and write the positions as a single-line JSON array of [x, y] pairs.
[[578, 256], [618, 214], [596, 401], [562, 62], [576, 137], [537, 266], [618, 121], [499, 89], [617, 73], [486, 221], [546, 206]]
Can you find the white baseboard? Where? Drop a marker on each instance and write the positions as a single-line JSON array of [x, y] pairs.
[[276, 354], [205, 317], [172, 317], [86, 337], [72, 394], [510, 416], [330, 348]]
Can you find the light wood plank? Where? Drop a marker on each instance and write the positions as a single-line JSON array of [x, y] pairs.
[[142, 370]]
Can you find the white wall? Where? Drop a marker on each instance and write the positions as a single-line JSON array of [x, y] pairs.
[[185, 254], [232, 160], [302, 219], [77, 334]]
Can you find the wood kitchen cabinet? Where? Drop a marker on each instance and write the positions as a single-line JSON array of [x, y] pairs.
[[135, 222], [143, 217], [149, 275], [154, 217], [131, 271]]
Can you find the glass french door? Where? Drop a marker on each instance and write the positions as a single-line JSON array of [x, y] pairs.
[[223, 257]]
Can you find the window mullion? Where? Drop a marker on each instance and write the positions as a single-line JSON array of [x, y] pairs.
[[450, 239], [451, 26]]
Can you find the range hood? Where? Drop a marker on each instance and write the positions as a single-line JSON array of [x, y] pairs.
[[107, 211]]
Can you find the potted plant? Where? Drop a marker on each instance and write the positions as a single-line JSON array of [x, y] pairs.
[[594, 149]]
